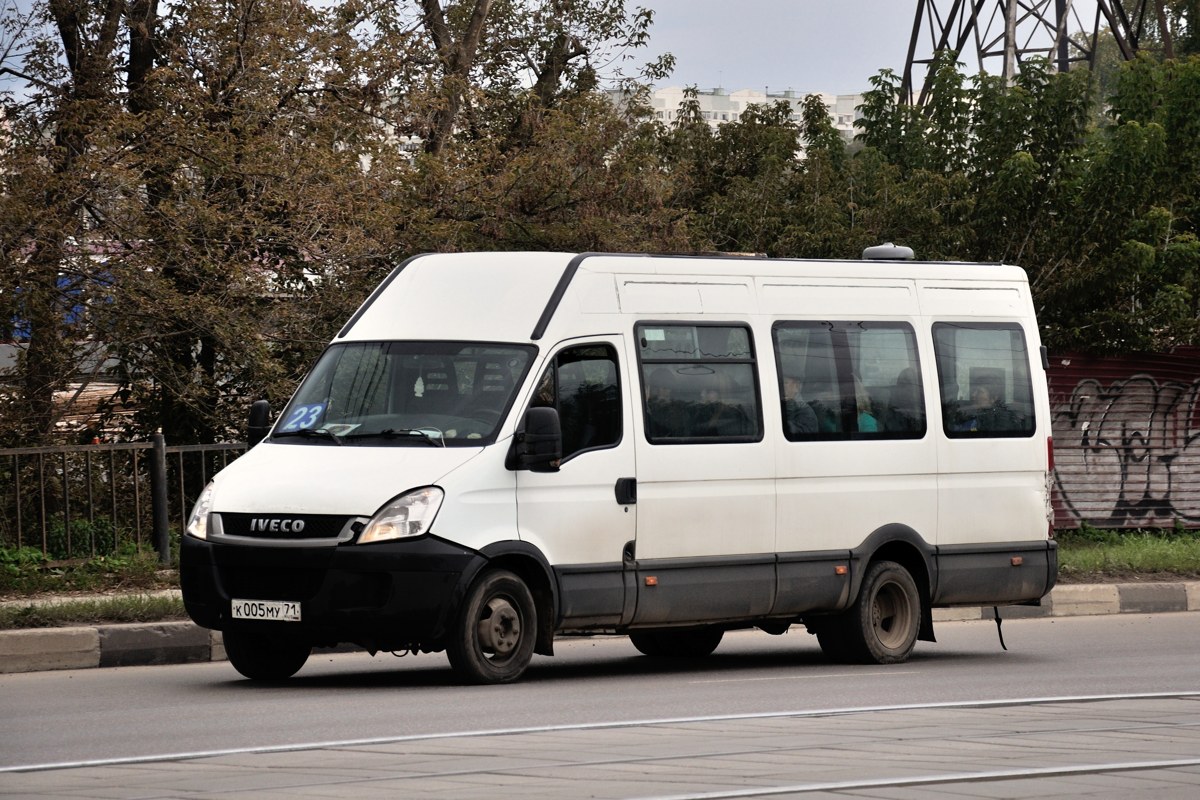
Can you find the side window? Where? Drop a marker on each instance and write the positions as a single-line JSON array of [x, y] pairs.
[[985, 381], [581, 383], [699, 384], [849, 380]]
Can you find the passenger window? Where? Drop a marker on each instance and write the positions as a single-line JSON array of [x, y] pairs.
[[581, 383], [699, 384], [985, 380], [849, 380]]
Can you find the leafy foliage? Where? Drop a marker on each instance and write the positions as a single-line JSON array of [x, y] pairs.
[[27, 570], [201, 193]]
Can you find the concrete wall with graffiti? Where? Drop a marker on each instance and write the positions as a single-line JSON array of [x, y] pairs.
[[1127, 440]]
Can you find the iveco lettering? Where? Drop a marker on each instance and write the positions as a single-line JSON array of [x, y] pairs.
[[501, 448], [284, 525]]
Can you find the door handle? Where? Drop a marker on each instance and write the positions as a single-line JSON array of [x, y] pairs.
[[626, 490]]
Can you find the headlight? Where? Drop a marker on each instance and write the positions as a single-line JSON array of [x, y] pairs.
[[197, 525], [408, 515]]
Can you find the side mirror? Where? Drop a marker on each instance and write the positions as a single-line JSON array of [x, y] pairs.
[[260, 422], [537, 445]]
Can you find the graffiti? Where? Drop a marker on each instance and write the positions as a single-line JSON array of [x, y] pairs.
[[1128, 454]]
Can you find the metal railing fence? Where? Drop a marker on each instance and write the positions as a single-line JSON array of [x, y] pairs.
[[85, 501]]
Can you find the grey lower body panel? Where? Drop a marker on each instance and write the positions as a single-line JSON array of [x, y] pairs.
[[743, 590]]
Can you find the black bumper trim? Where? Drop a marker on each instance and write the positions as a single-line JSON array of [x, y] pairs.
[[388, 596]]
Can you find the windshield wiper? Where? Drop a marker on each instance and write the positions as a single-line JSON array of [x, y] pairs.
[[393, 433], [311, 433]]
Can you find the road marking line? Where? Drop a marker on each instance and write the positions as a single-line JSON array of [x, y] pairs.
[[932, 780], [889, 673]]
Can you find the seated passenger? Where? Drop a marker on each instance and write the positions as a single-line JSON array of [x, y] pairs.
[[715, 416], [822, 399], [987, 412], [866, 418], [905, 411], [664, 418], [798, 416]]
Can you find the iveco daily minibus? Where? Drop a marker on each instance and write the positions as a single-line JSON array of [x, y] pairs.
[[500, 448]]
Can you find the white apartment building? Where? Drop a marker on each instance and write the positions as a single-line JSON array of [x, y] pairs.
[[719, 106]]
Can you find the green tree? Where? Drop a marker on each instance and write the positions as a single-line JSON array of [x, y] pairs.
[[1103, 218], [588, 178], [203, 200], [254, 210], [241, 173], [1134, 284], [480, 68], [734, 178], [53, 156], [1027, 140]]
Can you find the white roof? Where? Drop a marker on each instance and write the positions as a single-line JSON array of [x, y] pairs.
[[501, 297]]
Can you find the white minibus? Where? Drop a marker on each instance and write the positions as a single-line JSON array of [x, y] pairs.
[[502, 448]]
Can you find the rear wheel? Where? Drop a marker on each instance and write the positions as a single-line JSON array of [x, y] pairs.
[[495, 634], [686, 643], [262, 657], [883, 623]]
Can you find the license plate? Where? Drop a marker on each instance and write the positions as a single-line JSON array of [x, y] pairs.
[[272, 610]]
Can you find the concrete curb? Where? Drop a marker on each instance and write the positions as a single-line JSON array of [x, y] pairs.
[[136, 644], [1082, 600], [141, 644]]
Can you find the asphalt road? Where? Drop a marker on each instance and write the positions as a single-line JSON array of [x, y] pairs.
[[137, 712]]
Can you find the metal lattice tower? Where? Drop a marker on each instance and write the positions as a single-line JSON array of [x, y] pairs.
[[1011, 31]]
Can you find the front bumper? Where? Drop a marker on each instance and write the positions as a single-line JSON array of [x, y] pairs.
[[388, 596]]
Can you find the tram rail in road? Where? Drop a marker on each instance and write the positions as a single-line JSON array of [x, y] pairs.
[[1053, 746]]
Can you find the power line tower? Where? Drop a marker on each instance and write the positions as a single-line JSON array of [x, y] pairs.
[[1012, 31]]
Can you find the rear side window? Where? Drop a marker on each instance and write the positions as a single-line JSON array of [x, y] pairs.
[[849, 380], [983, 372], [699, 384]]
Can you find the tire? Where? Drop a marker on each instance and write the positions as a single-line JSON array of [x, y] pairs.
[[496, 629], [687, 643], [882, 625], [262, 657]]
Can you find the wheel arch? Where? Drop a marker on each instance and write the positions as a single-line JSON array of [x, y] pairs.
[[903, 545], [530, 565]]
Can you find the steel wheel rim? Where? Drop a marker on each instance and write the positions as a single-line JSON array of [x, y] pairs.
[[891, 616], [499, 628]]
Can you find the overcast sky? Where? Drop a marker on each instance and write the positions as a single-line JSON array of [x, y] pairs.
[[830, 46]]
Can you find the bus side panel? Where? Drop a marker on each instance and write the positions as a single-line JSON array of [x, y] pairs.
[[592, 595], [810, 582], [682, 591], [995, 574]]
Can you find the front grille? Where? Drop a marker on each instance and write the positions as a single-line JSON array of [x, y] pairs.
[[283, 526]]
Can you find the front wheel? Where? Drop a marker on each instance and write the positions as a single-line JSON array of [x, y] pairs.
[[494, 636], [882, 625], [262, 657]]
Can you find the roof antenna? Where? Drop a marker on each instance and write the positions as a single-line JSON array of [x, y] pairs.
[[888, 252]]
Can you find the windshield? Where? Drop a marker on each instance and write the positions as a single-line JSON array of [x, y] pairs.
[[441, 394]]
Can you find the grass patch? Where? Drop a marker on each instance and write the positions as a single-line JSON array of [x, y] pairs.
[[121, 608], [26, 571], [1091, 555]]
